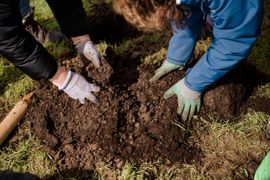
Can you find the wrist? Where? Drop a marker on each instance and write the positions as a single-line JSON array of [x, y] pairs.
[[60, 76], [187, 92], [167, 63], [80, 39]]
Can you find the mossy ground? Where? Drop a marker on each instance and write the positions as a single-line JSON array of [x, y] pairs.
[[23, 152]]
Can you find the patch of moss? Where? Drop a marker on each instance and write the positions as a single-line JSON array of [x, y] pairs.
[[264, 91], [157, 57], [260, 55]]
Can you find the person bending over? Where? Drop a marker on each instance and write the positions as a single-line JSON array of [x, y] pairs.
[[235, 23], [26, 53]]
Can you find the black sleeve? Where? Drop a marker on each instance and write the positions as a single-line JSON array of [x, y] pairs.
[[71, 17], [19, 47]]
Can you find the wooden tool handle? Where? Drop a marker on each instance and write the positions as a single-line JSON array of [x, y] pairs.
[[14, 116]]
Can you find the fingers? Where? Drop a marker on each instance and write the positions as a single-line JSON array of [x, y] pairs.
[[92, 98], [180, 108], [158, 74], [82, 100], [92, 54], [185, 113], [96, 62], [192, 112], [198, 107], [94, 88], [169, 93], [87, 94]]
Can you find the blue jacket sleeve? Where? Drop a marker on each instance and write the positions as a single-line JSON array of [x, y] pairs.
[[236, 28], [184, 38]]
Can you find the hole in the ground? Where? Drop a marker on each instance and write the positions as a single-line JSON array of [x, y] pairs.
[[49, 124]]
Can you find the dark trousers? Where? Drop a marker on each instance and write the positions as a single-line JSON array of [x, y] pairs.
[[70, 16]]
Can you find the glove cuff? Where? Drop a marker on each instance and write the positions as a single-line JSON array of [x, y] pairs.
[[188, 93], [80, 39], [67, 80], [80, 46], [172, 65]]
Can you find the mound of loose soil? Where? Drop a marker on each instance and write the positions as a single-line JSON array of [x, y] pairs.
[[131, 122], [227, 96]]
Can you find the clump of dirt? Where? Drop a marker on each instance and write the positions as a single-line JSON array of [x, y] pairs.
[[101, 75]]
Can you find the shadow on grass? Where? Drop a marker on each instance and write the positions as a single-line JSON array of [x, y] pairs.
[[67, 174]]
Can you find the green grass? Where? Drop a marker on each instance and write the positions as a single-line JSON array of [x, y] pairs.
[[25, 154], [228, 147], [156, 170], [264, 91]]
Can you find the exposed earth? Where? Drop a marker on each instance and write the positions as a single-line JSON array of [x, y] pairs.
[[131, 122]]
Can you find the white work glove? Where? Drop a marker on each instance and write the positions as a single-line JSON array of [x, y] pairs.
[[164, 69], [77, 87], [88, 51], [189, 101]]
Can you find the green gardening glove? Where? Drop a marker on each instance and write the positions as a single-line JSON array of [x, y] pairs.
[[164, 69], [263, 171], [189, 101]]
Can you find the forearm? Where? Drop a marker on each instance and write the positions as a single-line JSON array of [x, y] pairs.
[[60, 76], [236, 28], [184, 39], [220, 58]]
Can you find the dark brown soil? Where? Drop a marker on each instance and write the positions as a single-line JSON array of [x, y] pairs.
[[227, 96], [131, 122]]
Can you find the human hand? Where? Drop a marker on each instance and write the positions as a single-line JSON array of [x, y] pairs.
[[78, 88], [88, 51], [189, 101], [164, 69]]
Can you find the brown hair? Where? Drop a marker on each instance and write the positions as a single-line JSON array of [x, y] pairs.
[[150, 15]]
